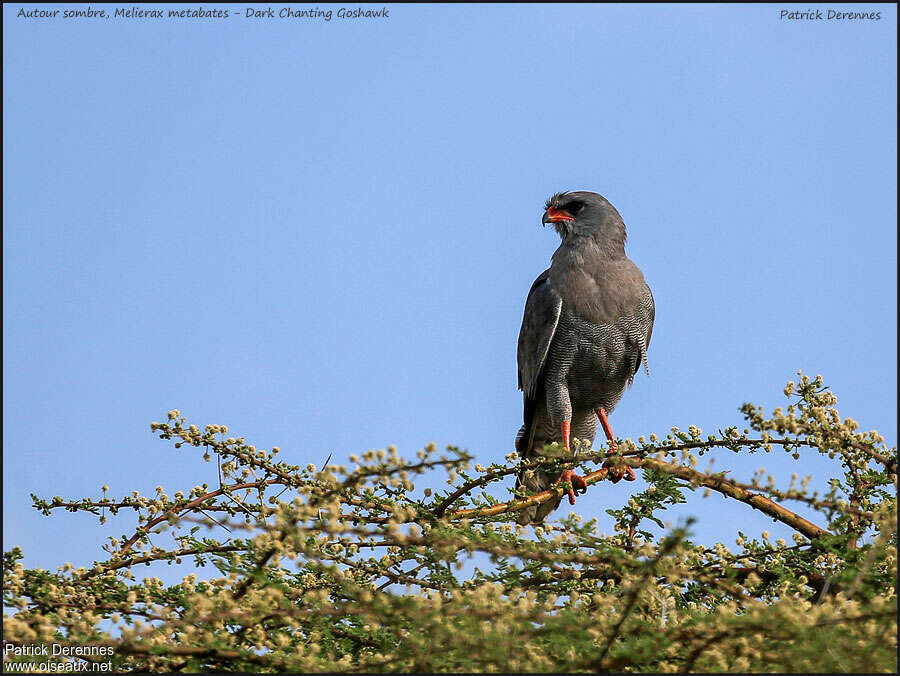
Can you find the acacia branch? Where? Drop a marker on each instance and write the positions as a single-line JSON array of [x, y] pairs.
[[126, 563], [733, 490], [190, 505], [349, 482], [717, 483]]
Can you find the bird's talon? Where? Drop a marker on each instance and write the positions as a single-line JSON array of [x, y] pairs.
[[618, 472], [577, 483]]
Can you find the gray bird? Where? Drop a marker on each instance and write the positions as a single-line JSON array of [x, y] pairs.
[[585, 333]]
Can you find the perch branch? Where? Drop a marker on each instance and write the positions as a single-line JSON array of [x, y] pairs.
[[714, 482]]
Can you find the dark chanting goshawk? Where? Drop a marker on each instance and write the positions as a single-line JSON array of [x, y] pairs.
[[587, 325]]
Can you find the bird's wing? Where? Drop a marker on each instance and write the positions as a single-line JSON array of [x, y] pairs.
[[542, 310]]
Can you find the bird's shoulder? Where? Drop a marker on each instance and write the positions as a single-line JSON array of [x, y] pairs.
[[539, 281]]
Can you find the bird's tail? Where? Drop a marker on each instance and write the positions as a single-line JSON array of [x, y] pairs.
[[529, 444]]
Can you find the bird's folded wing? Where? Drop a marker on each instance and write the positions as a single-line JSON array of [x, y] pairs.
[[542, 310]]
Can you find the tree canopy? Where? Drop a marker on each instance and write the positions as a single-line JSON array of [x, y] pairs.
[[351, 567]]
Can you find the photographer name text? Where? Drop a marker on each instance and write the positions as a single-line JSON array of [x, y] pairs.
[[827, 15]]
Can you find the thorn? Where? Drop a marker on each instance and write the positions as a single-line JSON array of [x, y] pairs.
[[216, 520]]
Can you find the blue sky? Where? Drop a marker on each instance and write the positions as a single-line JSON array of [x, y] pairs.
[[322, 233]]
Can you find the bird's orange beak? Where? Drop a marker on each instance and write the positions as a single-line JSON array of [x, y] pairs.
[[555, 215]]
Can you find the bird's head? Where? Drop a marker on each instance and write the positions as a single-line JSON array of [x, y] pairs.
[[585, 213]]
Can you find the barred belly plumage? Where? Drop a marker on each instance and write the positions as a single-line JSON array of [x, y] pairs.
[[589, 365]]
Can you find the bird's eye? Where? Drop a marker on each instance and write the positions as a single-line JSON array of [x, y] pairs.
[[574, 207]]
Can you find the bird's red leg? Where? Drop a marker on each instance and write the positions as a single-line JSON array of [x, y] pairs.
[[615, 473], [577, 482]]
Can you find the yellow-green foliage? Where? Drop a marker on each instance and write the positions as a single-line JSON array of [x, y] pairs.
[[355, 569]]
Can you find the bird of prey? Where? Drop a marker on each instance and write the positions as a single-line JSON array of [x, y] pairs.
[[587, 325]]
